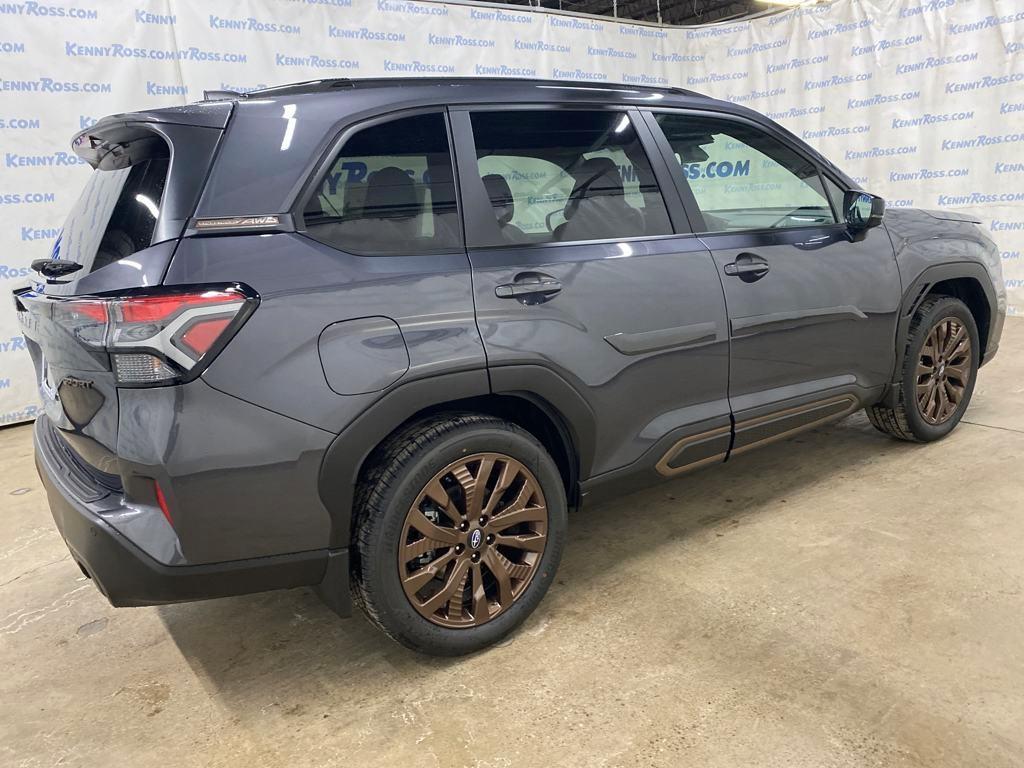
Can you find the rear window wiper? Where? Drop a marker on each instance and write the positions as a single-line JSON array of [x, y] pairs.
[[53, 268]]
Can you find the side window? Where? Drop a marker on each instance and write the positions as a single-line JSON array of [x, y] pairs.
[[566, 175], [390, 191], [743, 178]]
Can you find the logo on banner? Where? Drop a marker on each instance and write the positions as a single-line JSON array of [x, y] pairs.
[[145, 17], [364, 33], [49, 85], [19, 123], [839, 29], [47, 11], [645, 79], [930, 7], [884, 45], [612, 53], [417, 9], [55, 159], [251, 24], [540, 46]]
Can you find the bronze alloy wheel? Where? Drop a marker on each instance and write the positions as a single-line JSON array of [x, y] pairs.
[[943, 370], [472, 540]]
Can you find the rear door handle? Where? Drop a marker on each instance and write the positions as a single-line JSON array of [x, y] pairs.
[[738, 268], [530, 288], [748, 267]]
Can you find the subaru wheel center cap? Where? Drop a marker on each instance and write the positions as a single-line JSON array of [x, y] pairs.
[[475, 539]]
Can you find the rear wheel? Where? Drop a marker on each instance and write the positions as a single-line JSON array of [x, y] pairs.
[[460, 527], [939, 370]]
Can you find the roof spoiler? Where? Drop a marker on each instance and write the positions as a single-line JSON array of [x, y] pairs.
[[118, 141], [108, 146]]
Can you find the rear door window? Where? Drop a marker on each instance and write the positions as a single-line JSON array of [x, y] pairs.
[[390, 190], [566, 176]]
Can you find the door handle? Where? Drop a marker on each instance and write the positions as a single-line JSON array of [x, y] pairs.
[[748, 267], [529, 288]]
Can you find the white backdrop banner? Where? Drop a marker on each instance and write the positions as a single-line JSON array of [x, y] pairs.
[[921, 101]]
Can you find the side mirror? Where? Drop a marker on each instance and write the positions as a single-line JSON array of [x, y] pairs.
[[862, 210]]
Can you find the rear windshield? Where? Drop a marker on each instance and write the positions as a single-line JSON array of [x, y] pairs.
[[115, 215]]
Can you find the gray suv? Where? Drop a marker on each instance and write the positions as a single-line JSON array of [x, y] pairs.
[[378, 336]]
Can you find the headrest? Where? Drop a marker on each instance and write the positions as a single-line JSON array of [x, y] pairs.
[[501, 197], [390, 194], [596, 177]]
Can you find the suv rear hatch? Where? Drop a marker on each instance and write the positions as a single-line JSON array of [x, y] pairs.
[[92, 321]]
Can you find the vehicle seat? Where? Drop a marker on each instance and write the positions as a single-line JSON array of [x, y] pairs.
[[391, 212], [503, 204], [597, 206]]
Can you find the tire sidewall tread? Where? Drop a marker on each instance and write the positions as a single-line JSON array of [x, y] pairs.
[[904, 421], [397, 473]]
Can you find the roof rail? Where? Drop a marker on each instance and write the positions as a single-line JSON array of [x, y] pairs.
[[682, 91], [333, 83], [220, 95]]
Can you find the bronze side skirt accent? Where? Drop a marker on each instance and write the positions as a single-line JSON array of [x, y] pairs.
[[664, 467], [850, 400]]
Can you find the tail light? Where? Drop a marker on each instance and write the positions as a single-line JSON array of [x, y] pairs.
[[161, 501], [162, 336]]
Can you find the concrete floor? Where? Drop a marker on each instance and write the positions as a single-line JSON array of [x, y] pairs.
[[837, 599]]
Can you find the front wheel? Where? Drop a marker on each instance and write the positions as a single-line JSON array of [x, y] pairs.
[[940, 367], [460, 526]]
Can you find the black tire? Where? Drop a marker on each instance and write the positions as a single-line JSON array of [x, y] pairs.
[[398, 471], [905, 421]]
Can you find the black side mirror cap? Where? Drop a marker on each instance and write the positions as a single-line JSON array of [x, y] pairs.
[[862, 210]]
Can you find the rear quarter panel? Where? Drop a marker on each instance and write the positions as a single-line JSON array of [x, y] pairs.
[[305, 287]]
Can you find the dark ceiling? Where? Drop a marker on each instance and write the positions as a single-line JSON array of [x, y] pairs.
[[688, 12]]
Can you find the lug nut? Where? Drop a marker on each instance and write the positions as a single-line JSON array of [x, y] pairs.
[[459, 549], [463, 526], [483, 519], [475, 557], [490, 538]]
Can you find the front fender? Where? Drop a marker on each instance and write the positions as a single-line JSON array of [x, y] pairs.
[[932, 248]]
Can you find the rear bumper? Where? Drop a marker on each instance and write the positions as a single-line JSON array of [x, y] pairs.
[[127, 576]]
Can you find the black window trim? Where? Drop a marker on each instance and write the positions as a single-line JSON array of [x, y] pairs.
[[476, 213], [326, 161], [836, 204], [686, 194]]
